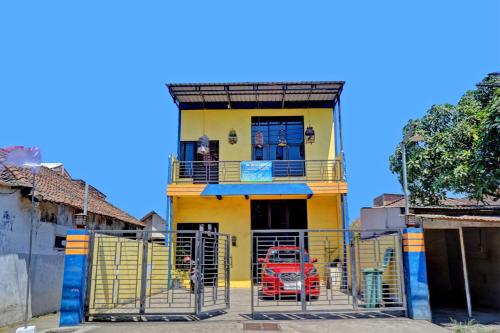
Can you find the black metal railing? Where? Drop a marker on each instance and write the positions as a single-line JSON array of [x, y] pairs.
[[214, 172]]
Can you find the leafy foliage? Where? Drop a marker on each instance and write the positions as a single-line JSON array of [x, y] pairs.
[[461, 148]]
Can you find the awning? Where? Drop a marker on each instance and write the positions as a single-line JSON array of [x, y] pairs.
[[221, 190], [260, 95]]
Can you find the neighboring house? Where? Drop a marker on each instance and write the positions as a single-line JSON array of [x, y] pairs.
[[154, 222], [271, 159], [456, 222], [58, 200]]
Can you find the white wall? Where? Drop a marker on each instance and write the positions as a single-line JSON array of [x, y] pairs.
[[378, 219], [47, 262], [155, 223]]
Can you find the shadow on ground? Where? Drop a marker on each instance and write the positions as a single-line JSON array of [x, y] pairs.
[[154, 317], [321, 316]]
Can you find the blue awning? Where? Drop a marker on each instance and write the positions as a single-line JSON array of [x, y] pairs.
[[256, 189]]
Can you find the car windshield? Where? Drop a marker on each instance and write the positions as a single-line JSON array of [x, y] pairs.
[[286, 256]]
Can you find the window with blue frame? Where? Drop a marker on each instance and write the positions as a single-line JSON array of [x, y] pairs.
[[286, 159]]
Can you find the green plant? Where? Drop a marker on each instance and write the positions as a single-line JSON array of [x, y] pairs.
[[460, 152], [468, 326]]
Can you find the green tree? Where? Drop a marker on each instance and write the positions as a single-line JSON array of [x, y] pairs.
[[460, 152]]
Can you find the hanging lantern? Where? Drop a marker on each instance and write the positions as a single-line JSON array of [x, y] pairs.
[[232, 137], [203, 145], [282, 137], [310, 135], [259, 139]]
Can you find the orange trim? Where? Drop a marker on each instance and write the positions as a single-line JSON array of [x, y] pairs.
[[327, 188], [413, 242], [77, 251], [77, 245], [414, 248], [77, 238], [185, 190], [413, 236], [318, 188]]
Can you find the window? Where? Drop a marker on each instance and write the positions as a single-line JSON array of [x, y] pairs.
[[60, 242], [291, 154], [188, 155]]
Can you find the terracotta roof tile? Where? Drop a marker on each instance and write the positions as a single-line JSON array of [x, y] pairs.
[[54, 187]]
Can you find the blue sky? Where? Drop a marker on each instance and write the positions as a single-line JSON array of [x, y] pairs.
[[84, 80]]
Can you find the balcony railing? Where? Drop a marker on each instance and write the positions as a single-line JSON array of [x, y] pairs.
[[292, 171]]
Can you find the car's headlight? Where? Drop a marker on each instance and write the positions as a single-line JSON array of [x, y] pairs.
[[269, 271], [312, 272]]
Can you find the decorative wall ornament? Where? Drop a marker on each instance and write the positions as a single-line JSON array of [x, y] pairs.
[[282, 137], [203, 145], [259, 139], [232, 137], [310, 135]]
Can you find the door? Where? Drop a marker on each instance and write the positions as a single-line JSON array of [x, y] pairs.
[[204, 169]]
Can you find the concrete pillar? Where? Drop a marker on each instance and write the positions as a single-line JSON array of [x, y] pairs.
[[417, 290], [73, 291]]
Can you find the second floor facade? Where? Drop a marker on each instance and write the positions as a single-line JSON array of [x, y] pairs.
[[258, 133]]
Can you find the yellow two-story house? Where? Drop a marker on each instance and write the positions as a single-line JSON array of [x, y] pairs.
[[257, 156]]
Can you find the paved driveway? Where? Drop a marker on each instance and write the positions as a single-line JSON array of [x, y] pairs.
[[234, 319]]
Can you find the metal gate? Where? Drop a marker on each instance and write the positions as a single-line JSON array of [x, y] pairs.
[[326, 271], [151, 273]]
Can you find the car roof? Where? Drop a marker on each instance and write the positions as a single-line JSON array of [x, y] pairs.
[[284, 247]]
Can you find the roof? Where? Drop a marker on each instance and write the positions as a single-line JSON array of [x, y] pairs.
[[461, 218], [54, 187], [57, 167], [454, 203], [250, 95], [151, 213]]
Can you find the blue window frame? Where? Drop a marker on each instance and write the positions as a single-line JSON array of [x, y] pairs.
[[286, 160]]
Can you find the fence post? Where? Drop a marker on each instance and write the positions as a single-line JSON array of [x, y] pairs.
[[417, 291], [73, 290], [144, 272]]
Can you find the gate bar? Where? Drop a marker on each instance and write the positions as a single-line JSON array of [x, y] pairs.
[[198, 287], [227, 270], [354, 268], [399, 258], [88, 278], [302, 272]]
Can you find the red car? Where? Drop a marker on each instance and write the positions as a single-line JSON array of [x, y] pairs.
[[280, 273]]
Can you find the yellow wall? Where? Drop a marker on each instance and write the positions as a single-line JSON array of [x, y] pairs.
[[218, 123], [233, 216]]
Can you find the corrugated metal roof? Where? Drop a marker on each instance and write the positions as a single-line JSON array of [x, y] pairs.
[[461, 218], [256, 94], [453, 204]]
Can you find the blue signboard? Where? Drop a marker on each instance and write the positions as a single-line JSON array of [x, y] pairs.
[[256, 171]]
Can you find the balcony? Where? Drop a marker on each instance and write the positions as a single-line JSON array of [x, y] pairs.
[[232, 172]]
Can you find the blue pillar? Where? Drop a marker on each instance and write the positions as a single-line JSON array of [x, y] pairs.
[[73, 291], [417, 290]]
